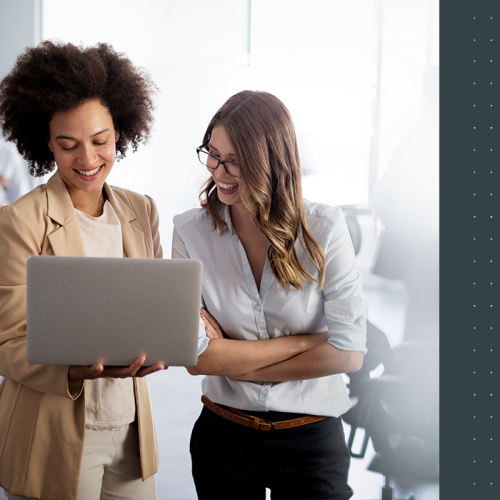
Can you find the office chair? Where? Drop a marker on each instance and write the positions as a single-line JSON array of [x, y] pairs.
[[350, 213], [399, 409]]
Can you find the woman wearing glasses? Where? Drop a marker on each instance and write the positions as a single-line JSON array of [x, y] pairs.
[[284, 314], [73, 432]]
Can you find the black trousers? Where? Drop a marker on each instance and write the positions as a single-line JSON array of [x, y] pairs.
[[234, 462]]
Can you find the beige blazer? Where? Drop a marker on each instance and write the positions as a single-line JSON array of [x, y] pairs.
[[42, 424]]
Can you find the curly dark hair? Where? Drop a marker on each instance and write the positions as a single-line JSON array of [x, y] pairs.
[[55, 76]]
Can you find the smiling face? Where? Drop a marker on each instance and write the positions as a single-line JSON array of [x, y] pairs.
[[82, 140], [228, 186]]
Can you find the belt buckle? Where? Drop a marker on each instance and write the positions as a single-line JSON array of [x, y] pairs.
[[271, 424]]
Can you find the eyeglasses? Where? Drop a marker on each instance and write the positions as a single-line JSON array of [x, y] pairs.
[[212, 162]]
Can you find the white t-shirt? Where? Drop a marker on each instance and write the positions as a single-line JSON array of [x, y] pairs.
[[110, 403]]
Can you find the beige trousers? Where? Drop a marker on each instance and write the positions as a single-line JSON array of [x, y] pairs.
[[111, 468]]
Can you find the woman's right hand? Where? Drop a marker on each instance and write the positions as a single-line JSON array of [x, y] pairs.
[[212, 327], [81, 372]]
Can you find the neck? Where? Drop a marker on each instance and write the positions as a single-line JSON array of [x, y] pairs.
[[241, 218], [88, 203]]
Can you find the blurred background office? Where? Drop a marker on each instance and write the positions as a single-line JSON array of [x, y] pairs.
[[360, 78]]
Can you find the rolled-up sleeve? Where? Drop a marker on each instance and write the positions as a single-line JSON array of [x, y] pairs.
[[179, 251], [346, 320], [344, 303]]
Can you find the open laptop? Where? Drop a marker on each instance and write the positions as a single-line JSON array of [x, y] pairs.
[[84, 310]]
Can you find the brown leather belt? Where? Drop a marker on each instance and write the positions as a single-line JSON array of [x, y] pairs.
[[259, 424]]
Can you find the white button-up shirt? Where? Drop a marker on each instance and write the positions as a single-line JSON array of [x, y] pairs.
[[230, 295]]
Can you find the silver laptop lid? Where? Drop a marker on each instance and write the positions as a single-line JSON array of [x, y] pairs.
[[83, 310]]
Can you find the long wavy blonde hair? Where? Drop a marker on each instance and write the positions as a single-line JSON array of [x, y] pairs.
[[262, 132]]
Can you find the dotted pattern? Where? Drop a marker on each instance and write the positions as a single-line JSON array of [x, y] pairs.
[[470, 278], [485, 86]]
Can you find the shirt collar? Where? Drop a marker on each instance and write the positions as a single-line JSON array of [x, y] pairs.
[[225, 213]]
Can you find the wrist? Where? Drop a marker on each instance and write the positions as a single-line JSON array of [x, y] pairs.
[[71, 373], [303, 343]]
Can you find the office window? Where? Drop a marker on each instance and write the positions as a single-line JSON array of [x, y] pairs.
[[321, 57]]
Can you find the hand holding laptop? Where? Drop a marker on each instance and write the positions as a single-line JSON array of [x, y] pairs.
[[81, 372], [107, 317]]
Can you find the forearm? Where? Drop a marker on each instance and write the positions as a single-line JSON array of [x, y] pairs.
[[318, 362], [232, 358]]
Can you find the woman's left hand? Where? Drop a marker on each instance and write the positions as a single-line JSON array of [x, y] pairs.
[[213, 329]]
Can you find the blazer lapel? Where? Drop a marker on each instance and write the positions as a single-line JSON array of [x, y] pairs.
[[133, 236], [65, 240]]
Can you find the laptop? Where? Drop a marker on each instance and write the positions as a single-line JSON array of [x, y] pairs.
[[84, 310]]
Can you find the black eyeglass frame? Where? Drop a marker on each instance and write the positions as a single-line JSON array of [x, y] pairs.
[[203, 148]]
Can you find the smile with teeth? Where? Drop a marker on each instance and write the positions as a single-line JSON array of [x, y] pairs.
[[89, 172], [227, 187]]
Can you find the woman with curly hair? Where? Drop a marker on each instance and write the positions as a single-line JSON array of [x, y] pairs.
[[73, 432], [285, 315]]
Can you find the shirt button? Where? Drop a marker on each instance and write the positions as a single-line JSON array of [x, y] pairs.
[[257, 307], [264, 392], [265, 336]]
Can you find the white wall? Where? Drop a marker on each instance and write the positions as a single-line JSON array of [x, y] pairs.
[[20, 26], [318, 56]]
